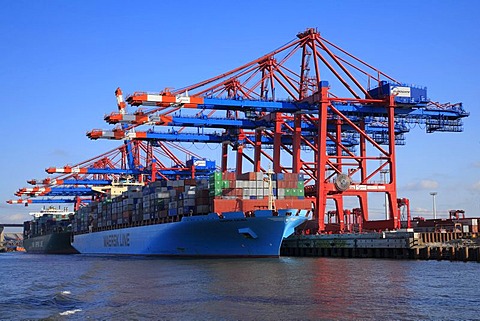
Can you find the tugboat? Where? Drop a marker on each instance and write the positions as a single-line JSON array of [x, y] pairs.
[[49, 232]]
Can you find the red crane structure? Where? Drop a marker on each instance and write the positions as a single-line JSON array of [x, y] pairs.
[[300, 109], [77, 180], [308, 107]]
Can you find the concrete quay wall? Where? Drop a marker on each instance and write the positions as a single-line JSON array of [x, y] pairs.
[[391, 245]]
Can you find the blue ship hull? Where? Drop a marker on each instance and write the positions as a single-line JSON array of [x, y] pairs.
[[195, 236]]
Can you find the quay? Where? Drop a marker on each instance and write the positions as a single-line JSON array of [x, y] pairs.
[[401, 244]]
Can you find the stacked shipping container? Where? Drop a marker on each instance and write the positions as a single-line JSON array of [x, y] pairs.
[[159, 200], [46, 224], [256, 186]]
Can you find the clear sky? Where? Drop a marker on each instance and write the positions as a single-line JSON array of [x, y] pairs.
[[60, 62]]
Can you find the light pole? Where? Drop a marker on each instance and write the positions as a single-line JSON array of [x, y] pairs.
[[434, 205], [383, 174]]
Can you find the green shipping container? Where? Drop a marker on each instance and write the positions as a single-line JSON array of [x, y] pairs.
[[216, 184], [217, 176], [225, 184], [215, 192]]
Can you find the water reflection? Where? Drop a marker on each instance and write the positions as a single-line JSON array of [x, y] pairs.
[[239, 289]]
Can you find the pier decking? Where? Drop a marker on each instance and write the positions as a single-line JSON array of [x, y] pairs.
[[393, 245]]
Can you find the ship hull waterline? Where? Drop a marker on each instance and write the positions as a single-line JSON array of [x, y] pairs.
[[193, 237]]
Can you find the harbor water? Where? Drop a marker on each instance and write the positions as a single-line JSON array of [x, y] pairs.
[[78, 287]]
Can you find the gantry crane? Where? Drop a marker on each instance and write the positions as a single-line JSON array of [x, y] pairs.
[[77, 184], [297, 109], [309, 120]]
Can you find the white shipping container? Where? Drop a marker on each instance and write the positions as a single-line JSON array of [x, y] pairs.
[[190, 194], [261, 184], [161, 195]]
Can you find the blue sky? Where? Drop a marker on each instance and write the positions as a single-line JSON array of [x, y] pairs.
[[62, 60]]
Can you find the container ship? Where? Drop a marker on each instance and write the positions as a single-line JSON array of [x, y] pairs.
[[49, 232], [222, 216]]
